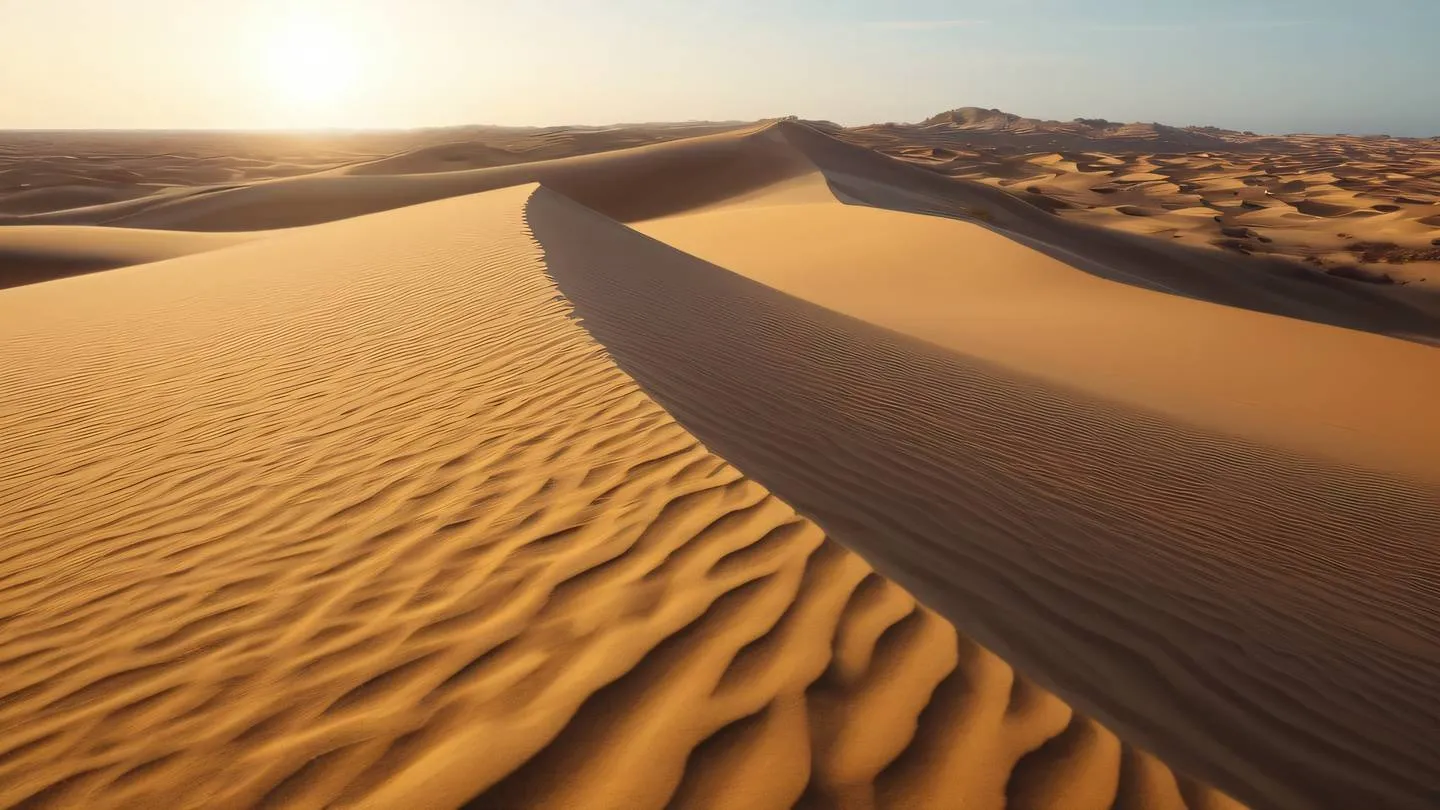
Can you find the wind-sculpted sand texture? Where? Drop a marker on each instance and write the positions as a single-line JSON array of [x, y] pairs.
[[1263, 618], [359, 516], [355, 514]]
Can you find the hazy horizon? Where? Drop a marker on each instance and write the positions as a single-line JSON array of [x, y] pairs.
[[1291, 66]]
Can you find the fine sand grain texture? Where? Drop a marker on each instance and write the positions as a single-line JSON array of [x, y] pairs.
[[357, 515]]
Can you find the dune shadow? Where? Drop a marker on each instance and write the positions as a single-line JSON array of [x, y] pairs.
[[1273, 285], [1183, 588]]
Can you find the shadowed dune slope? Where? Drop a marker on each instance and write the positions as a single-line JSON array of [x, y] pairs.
[[29, 254], [1334, 393], [1263, 619], [359, 516]]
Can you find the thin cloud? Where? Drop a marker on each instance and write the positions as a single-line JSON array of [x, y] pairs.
[[926, 25]]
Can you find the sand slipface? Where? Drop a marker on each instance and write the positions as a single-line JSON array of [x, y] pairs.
[[500, 501], [359, 516], [1085, 539]]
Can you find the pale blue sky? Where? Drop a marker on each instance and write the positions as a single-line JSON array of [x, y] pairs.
[[1265, 65]]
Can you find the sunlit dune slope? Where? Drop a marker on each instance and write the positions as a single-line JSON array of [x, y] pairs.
[[1350, 207], [355, 513], [359, 516]]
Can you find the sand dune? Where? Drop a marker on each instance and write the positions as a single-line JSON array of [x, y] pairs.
[[683, 176], [45, 172], [1151, 232], [29, 254], [639, 182], [446, 157], [504, 147], [1306, 198], [858, 175], [1356, 398], [61, 197], [394, 531], [1263, 619], [491, 500]]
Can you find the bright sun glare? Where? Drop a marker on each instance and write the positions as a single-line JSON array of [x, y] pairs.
[[314, 65]]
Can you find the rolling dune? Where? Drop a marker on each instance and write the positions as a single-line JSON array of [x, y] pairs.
[[1356, 398], [635, 183], [860, 176], [406, 482], [1123, 235], [1301, 198], [1261, 618], [358, 516], [30, 254]]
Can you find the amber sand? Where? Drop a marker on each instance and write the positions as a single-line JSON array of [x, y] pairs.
[[714, 465]]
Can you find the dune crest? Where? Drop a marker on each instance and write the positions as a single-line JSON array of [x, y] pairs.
[[1355, 398], [359, 516], [1217, 600], [382, 477], [640, 182]]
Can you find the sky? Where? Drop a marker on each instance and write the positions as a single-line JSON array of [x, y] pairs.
[[1275, 66]]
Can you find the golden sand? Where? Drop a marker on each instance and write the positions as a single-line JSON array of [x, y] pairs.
[[402, 483]]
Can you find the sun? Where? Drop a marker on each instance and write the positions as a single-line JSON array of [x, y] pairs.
[[314, 64]]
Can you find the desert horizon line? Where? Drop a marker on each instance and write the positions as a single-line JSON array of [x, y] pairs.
[[848, 124]]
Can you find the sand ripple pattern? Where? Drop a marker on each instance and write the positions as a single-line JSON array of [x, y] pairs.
[[359, 517], [1264, 620]]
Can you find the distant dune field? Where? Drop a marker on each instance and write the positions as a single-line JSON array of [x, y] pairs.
[[1350, 207], [704, 466]]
